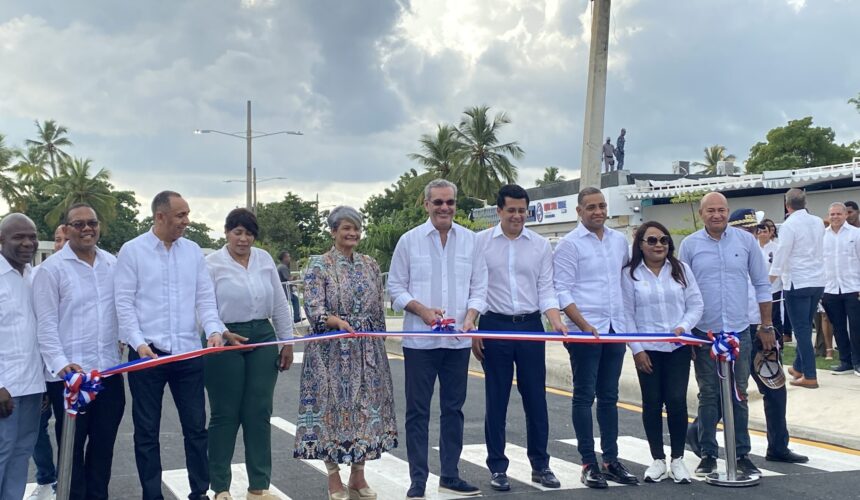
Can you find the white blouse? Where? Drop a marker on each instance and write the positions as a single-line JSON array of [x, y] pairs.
[[659, 304], [253, 293]]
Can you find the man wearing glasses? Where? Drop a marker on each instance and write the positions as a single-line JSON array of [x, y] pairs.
[[77, 329], [433, 275]]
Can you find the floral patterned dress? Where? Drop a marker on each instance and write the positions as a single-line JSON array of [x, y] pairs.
[[346, 404]]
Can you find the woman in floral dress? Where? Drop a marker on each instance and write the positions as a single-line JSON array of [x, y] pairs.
[[346, 405]]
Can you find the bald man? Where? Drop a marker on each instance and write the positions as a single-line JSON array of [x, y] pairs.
[[21, 374], [724, 260]]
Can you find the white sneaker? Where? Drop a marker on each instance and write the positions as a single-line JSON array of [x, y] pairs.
[[656, 472], [678, 471], [43, 492]]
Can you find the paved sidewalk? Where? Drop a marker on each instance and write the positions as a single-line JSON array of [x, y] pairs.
[[827, 414]]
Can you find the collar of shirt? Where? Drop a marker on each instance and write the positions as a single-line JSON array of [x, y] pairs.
[[68, 254], [428, 228], [497, 231], [6, 267], [155, 241]]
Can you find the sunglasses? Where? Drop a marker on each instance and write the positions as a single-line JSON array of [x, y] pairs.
[[653, 240], [439, 203], [79, 225]]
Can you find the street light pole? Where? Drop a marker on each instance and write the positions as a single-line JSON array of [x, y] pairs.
[[249, 137], [595, 100]]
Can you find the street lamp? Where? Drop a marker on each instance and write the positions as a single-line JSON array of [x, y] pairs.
[[255, 181], [249, 136]]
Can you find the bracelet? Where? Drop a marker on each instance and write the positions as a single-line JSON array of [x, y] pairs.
[[768, 328]]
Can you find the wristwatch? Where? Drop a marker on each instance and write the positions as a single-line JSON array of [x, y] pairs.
[[768, 328]]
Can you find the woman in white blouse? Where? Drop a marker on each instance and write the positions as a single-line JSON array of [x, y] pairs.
[[241, 384], [664, 298]]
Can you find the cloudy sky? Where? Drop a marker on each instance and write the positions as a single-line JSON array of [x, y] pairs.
[[364, 79]]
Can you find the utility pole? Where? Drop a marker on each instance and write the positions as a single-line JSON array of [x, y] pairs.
[[595, 99], [249, 137]]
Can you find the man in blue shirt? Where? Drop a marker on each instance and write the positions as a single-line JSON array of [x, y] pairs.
[[724, 259]]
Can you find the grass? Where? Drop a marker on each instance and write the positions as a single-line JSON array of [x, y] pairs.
[[789, 352]]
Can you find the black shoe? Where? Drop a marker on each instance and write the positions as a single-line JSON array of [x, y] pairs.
[[500, 482], [842, 369], [706, 466], [546, 478], [615, 471], [788, 457], [693, 439], [416, 491], [456, 486], [592, 477], [746, 466]]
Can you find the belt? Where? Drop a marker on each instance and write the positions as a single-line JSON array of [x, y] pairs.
[[516, 318]]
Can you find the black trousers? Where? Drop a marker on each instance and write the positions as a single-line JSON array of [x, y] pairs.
[[422, 367], [775, 402], [781, 322], [185, 379], [666, 385], [500, 358], [95, 435], [843, 310]]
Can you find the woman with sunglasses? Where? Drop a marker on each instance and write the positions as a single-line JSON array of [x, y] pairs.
[[665, 298]]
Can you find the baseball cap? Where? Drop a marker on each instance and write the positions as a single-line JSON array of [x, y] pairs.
[[768, 366]]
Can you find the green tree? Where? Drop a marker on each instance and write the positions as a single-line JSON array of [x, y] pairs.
[[713, 155], [125, 226], [31, 165], [76, 185], [692, 199], [797, 145], [293, 224], [442, 155], [402, 194], [8, 186], [550, 176], [486, 165], [50, 139], [855, 101]]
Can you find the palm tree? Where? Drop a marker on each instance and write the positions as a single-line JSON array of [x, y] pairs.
[[31, 165], [486, 164], [75, 185], [550, 176], [442, 155], [713, 155], [8, 186], [50, 139]]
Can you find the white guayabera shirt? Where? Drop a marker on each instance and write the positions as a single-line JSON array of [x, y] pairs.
[[444, 278], [21, 368], [74, 304]]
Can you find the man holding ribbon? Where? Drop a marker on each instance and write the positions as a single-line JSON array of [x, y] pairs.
[[73, 297], [587, 267], [433, 275], [21, 375], [724, 260], [163, 289], [519, 289]]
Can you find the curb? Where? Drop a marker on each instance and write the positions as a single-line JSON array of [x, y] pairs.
[[559, 377]]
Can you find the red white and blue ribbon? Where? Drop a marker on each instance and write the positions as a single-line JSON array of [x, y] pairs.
[[80, 390], [726, 347]]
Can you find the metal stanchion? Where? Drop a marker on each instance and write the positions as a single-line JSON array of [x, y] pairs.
[[64, 465], [731, 477]]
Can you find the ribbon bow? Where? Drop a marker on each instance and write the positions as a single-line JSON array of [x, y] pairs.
[[444, 325], [726, 347], [81, 389]]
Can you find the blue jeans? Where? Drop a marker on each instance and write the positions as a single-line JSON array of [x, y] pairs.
[[43, 454], [596, 370], [18, 434], [709, 395], [801, 305]]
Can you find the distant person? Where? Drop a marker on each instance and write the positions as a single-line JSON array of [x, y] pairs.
[[609, 155], [619, 148], [852, 213], [164, 297], [73, 296], [22, 382], [661, 295], [768, 238], [798, 262], [43, 454], [285, 276], [840, 300]]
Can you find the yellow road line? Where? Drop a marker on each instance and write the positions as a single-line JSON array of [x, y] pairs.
[[638, 409]]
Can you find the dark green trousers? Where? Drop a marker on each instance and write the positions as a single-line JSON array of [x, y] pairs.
[[241, 385]]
